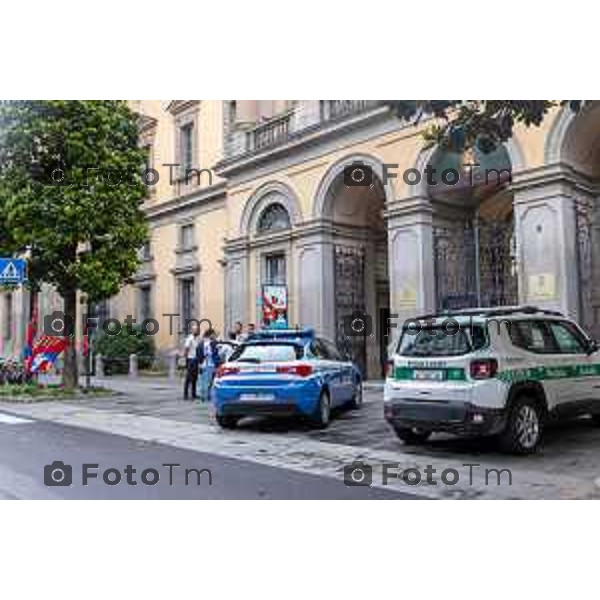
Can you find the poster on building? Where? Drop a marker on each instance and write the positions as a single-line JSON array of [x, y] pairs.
[[542, 286], [274, 306]]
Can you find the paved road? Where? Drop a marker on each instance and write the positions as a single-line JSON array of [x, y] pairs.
[[152, 411], [568, 448], [26, 445]]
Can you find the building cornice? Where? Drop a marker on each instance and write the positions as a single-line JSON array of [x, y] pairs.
[[553, 174], [322, 228], [307, 137], [200, 198], [177, 107]]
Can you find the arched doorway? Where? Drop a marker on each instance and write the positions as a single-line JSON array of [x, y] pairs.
[[355, 215], [473, 229], [574, 145]]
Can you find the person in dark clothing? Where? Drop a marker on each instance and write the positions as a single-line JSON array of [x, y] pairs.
[[191, 362]]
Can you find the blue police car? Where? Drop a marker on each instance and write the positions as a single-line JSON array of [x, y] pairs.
[[285, 373]]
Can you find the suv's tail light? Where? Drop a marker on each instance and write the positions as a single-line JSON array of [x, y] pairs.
[[484, 368], [389, 368], [301, 370], [226, 370]]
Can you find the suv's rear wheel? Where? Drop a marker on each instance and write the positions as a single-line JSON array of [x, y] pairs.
[[596, 419], [412, 435], [227, 421], [523, 430]]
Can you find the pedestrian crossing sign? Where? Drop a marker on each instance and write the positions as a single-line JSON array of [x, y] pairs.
[[13, 270]]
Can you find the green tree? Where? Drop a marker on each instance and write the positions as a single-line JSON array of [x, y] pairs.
[[464, 123], [70, 196]]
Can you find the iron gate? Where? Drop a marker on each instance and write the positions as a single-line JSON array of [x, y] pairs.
[[586, 227], [349, 289], [475, 264]]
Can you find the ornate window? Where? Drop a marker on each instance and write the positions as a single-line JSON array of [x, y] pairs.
[[274, 217]]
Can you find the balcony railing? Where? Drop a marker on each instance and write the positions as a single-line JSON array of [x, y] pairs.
[[270, 133], [337, 109], [304, 117]]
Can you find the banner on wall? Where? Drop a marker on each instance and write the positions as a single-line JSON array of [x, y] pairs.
[[274, 306]]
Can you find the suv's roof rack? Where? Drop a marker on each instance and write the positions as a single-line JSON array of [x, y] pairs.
[[491, 312]]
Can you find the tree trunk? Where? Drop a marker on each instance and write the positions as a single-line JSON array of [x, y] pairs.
[[70, 374]]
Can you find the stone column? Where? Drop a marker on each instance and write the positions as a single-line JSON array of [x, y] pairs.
[[547, 244], [411, 266], [236, 287], [315, 283]]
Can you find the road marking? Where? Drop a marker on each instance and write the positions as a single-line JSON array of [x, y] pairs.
[[12, 420]]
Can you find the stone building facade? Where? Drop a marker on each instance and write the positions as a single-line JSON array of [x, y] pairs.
[[275, 209]]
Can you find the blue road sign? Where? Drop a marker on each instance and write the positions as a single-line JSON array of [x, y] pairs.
[[13, 270]]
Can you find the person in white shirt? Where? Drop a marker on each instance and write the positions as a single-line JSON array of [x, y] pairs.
[[190, 347]]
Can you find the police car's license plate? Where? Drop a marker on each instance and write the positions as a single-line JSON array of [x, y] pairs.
[[257, 397], [429, 374]]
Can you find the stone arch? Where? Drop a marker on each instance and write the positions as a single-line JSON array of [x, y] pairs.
[[269, 193], [556, 136], [574, 139], [336, 169]]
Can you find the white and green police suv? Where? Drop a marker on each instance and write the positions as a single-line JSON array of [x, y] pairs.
[[502, 371]]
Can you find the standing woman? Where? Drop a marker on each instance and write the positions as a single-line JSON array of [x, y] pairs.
[[191, 361], [208, 359]]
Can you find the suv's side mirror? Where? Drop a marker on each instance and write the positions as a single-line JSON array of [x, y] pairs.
[[593, 346]]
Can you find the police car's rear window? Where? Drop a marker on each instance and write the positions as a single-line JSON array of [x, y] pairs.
[[435, 341], [267, 353]]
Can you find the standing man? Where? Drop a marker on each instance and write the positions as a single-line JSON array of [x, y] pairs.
[[191, 361], [236, 333]]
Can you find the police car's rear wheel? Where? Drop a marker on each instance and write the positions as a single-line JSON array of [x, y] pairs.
[[227, 421], [523, 428], [412, 435], [322, 414]]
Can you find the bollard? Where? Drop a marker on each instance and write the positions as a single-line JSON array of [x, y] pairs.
[[173, 366], [133, 365], [99, 366]]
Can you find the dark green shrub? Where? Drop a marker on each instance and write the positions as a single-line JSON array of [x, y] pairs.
[[115, 350]]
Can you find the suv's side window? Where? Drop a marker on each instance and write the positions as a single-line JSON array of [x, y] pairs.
[[568, 339], [533, 336]]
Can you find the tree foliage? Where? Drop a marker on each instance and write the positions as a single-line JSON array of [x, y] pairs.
[[460, 124], [71, 193]]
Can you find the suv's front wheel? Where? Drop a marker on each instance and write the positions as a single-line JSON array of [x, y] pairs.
[[523, 430]]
